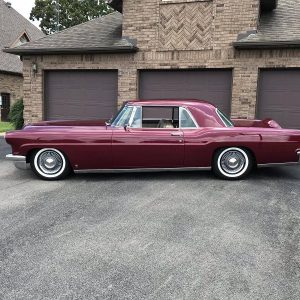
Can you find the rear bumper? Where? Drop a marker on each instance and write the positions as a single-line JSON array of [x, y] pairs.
[[298, 156], [19, 161]]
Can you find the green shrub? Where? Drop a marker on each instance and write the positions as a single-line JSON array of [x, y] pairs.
[[16, 114]]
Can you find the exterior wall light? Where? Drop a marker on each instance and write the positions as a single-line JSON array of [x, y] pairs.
[[34, 68]]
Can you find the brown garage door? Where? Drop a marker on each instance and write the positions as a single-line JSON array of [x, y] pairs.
[[279, 97], [74, 95], [211, 85]]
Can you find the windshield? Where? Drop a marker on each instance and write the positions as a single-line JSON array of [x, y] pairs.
[[227, 122], [123, 117]]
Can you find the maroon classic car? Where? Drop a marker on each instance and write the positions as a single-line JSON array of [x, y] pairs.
[[160, 135]]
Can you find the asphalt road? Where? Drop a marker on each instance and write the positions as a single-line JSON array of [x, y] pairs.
[[149, 236]]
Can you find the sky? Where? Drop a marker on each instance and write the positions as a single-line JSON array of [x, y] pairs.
[[23, 7]]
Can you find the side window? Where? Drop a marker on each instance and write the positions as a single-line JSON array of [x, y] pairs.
[[186, 120], [160, 117], [225, 119], [136, 121], [124, 117]]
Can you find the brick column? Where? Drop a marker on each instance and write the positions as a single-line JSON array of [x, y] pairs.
[[33, 91], [127, 85], [244, 91]]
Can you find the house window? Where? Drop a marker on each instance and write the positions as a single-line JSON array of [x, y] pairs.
[[5, 101], [5, 107]]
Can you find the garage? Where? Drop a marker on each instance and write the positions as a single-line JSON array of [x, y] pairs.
[[211, 85], [74, 95], [279, 96]]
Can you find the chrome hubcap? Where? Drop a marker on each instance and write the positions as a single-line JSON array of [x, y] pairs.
[[233, 162], [50, 162]]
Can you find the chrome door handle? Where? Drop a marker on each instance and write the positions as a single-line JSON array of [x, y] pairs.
[[176, 134]]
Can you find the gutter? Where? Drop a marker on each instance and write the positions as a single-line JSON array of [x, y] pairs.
[[128, 49], [267, 44], [11, 73]]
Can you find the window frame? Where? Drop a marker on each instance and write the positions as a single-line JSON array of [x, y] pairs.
[[221, 115], [119, 114], [6, 99], [180, 109]]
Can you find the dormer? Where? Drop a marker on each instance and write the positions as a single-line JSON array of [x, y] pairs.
[[22, 39]]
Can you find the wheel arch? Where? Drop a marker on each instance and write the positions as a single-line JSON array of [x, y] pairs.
[[37, 148]]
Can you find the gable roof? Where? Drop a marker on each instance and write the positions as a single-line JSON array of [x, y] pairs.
[[102, 34], [13, 26], [279, 28]]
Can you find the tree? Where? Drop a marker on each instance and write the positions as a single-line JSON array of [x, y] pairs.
[[56, 15]]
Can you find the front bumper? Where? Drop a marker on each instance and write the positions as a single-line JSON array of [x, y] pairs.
[[19, 161]]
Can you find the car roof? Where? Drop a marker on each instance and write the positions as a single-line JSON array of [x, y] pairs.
[[173, 102]]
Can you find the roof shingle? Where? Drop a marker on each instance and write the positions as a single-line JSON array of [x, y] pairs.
[[278, 28], [12, 26], [102, 34]]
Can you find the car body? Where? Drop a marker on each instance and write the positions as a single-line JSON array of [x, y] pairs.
[[154, 135]]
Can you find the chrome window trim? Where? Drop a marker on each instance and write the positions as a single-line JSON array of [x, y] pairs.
[[121, 112], [190, 115], [152, 105], [171, 106], [218, 113], [132, 115]]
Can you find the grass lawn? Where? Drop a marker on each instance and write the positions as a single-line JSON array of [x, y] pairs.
[[6, 126]]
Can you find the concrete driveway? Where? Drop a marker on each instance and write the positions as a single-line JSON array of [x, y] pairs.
[[149, 236]]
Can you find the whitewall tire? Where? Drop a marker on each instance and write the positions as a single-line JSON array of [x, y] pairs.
[[232, 163], [49, 164]]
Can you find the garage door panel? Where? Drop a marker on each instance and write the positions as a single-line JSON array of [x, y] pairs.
[[279, 96], [72, 95], [210, 85]]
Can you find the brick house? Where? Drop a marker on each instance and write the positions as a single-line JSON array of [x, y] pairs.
[[243, 55], [14, 30]]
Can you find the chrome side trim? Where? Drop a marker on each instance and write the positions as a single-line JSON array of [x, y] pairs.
[[142, 170], [19, 161], [280, 164], [277, 164]]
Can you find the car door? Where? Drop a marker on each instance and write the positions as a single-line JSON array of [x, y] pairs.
[[197, 141], [146, 144]]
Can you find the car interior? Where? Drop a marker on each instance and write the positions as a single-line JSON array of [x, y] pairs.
[[154, 117], [160, 117]]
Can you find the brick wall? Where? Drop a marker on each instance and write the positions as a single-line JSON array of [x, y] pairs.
[[143, 21], [12, 85]]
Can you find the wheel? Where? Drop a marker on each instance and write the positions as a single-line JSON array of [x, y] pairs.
[[50, 164], [232, 163]]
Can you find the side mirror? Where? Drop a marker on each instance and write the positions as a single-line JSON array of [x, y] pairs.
[[126, 127]]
